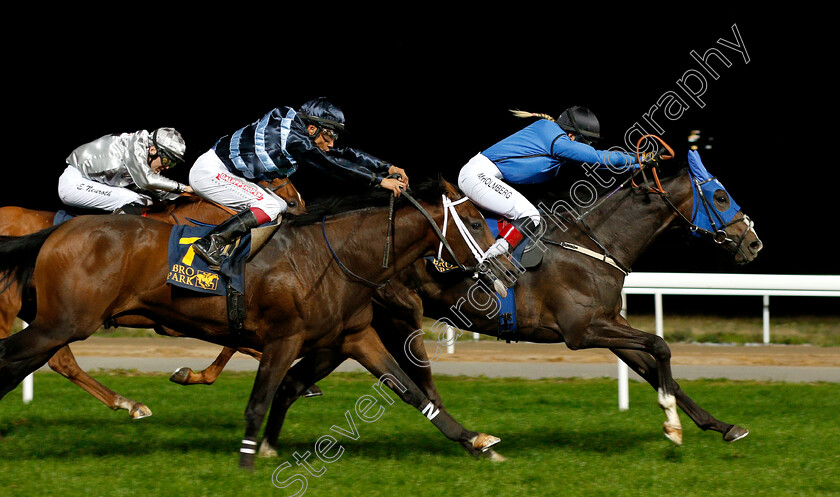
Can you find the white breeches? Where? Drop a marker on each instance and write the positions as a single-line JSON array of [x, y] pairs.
[[210, 178], [481, 181], [75, 190]]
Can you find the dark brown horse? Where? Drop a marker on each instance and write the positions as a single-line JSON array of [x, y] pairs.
[[310, 286], [574, 296], [187, 209]]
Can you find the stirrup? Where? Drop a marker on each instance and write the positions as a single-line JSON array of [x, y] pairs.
[[209, 255]]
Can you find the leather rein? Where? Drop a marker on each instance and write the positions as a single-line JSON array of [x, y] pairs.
[[719, 235], [444, 243]]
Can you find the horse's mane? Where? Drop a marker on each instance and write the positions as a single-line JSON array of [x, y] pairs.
[[429, 190]]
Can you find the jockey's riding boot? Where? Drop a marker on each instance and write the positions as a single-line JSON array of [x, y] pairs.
[[509, 233], [210, 246]]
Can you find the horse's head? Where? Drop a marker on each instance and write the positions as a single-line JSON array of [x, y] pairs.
[[470, 216], [716, 216], [284, 189], [465, 235]]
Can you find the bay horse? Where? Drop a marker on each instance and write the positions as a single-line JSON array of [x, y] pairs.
[[574, 297], [186, 209], [304, 292]]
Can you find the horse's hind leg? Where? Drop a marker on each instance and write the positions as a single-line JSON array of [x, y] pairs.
[[64, 363], [14, 365], [366, 347], [30, 348], [9, 308], [186, 376], [401, 339], [645, 366]]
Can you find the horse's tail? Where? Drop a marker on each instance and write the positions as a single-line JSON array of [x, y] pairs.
[[18, 255]]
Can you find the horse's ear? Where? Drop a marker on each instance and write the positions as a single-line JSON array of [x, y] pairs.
[[448, 188]]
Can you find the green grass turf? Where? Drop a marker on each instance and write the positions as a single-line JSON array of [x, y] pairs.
[[561, 437], [823, 331]]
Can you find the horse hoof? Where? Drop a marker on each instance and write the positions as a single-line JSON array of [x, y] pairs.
[[735, 433], [139, 411], [266, 450], [313, 391], [483, 441], [181, 376], [246, 462], [674, 433], [493, 456]]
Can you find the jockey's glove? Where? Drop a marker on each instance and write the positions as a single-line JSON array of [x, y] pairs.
[[500, 247]]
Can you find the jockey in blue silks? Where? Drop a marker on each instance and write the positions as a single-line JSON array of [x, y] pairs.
[[532, 155]]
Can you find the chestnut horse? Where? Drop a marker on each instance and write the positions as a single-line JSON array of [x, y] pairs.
[[310, 285], [186, 209], [574, 296]]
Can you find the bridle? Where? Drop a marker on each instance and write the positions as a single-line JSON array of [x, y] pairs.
[[718, 233], [448, 206]]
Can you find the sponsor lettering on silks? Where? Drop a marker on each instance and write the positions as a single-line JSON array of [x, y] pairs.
[[494, 185], [257, 193], [91, 189]]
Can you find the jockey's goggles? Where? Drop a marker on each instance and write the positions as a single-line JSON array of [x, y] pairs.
[[166, 159], [329, 134]]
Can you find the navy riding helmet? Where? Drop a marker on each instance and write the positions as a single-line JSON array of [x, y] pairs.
[[322, 113]]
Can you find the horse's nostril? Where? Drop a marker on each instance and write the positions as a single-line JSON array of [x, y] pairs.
[[756, 246]]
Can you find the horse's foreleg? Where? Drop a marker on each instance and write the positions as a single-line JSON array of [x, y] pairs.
[[276, 358], [301, 377], [615, 335], [644, 366], [65, 364], [366, 347]]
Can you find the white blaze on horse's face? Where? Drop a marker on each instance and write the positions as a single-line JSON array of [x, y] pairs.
[[751, 228]]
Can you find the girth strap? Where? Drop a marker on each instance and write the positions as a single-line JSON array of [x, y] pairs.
[[591, 253]]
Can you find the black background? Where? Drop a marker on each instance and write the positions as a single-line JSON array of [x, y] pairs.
[[427, 93]]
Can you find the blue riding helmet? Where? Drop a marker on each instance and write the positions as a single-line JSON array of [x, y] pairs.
[[713, 207]]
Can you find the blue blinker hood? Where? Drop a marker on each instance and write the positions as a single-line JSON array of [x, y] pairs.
[[704, 215]]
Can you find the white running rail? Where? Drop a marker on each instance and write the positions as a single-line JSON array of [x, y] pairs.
[[764, 285]]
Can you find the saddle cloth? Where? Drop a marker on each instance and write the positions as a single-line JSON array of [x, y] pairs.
[[62, 216], [188, 270]]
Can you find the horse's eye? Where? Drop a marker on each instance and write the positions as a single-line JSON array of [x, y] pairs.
[[292, 204], [721, 200], [476, 226]]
